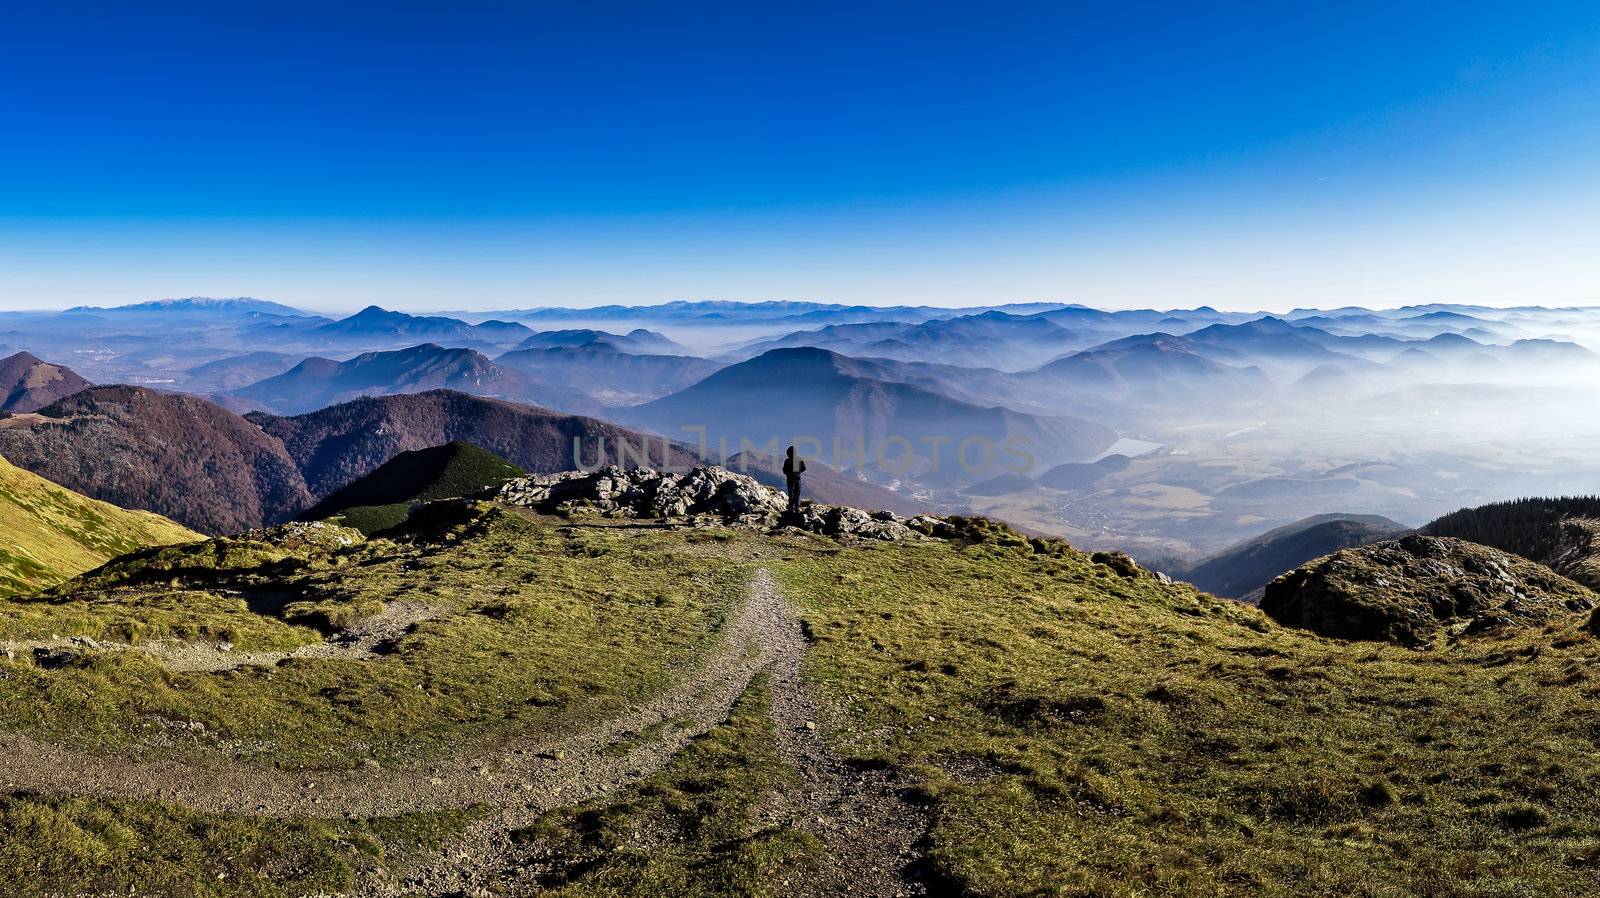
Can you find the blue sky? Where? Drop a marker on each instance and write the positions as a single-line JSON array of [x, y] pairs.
[[491, 155]]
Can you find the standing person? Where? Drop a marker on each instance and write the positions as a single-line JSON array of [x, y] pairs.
[[793, 467]]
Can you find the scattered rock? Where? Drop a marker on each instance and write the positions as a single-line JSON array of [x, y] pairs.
[[700, 498], [307, 535]]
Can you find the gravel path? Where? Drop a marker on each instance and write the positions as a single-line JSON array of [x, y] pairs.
[[861, 815]]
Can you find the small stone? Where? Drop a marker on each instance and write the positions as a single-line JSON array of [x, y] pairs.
[[811, 725]]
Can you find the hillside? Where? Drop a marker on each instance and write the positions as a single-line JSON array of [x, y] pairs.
[[788, 394], [48, 533], [1563, 533], [499, 701], [28, 384], [1243, 569], [1083, 475], [317, 382], [237, 371], [336, 445], [178, 456], [382, 498]]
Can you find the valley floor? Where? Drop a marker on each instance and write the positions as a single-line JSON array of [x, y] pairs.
[[594, 707]]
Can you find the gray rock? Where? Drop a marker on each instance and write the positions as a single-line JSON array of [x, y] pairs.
[[700, 497]]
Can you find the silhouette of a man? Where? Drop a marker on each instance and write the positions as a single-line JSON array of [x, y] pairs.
[[793, 467]]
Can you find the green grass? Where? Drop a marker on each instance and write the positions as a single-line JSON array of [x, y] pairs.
[[1084, 733], [1078, 727], [80, 846], [536, 625], [373, 518], [692, 829], [49, 533], [383, 498]]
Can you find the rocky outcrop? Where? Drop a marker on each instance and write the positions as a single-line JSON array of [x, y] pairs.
[[307, 536], [702, 496], [1415, 589]]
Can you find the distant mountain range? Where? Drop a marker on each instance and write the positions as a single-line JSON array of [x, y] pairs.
[[209, 469], [319, 382], [1151, 372], [719, 312], [1231, 417], [237, 371], [374, 323], [195, 306], [988, 339]]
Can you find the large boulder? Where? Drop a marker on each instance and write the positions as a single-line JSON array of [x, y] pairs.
[[1415, 589]]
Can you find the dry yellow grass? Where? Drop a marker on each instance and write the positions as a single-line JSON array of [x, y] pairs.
[[49, 533]]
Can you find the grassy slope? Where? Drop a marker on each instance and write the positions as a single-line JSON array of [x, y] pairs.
[[1079, 732], [537, 624], [49, 533], [1086, 734]]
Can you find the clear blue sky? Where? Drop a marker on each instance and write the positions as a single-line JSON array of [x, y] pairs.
[[476, 155]]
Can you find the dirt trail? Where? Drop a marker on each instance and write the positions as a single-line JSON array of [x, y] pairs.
[[861, 815], [871, 831], [542, 772], [363, 641]]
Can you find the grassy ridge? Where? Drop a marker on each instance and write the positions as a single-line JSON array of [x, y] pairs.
[[533, 623], [49, 533], [1087, 733]]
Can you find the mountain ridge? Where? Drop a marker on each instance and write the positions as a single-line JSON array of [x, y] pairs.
[[177, 455]]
